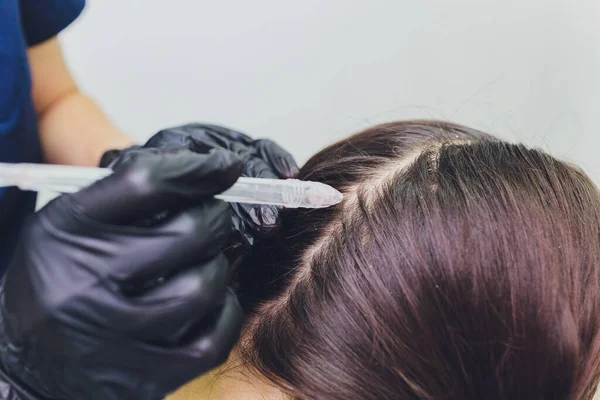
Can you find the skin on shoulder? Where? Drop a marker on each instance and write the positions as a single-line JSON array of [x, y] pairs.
[[73, 129], [232, 380]]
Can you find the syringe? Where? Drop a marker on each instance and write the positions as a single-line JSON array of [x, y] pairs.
[[289, 193]]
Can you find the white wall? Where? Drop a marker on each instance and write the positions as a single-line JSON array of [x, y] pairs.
[[309, 72]]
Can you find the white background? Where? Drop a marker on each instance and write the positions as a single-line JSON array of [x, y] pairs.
[[309, 72]]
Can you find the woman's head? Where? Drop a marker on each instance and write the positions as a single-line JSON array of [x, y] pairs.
[[458, 266]]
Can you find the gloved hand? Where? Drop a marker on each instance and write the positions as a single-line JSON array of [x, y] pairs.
[[95, 306], [261, 158]]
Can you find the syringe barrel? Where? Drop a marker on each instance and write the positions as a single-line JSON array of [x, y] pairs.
[[290, 193], [278, 192]]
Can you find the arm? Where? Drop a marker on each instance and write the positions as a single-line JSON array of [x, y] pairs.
[[73, 129]]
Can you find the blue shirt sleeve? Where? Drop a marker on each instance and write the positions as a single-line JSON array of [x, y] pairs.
[[44, 19]]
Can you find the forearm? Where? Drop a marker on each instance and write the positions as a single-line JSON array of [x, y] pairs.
[[75, 131]]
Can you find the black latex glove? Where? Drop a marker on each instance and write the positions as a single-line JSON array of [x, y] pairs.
[[261, 158], [96, 307]]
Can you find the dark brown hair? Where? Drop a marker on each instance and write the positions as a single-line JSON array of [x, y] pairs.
[[457, 267]]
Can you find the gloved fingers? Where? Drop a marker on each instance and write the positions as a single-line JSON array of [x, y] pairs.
[[111, 157], [255, 219], [267, 160], [199, 138], [121, 159], [213, 344], [222, 134], [177, 304], [254, 166], [206, 348], [203, 137], [155, 183], [179, 138], [280, 160], [188, 238], [277, 161]]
